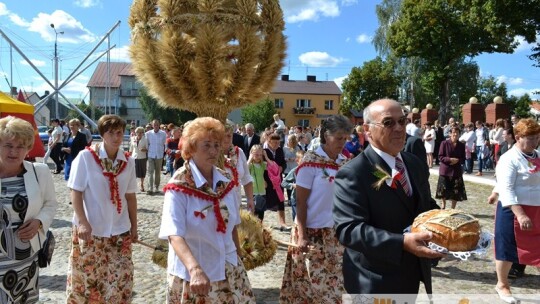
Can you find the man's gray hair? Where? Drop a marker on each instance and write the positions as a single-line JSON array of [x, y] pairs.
[[368, 118], [249, 126], [334, 124]]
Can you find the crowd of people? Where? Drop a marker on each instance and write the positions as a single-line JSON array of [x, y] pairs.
[[352, 191]]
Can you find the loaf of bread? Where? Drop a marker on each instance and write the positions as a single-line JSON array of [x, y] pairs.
[[452, 229]]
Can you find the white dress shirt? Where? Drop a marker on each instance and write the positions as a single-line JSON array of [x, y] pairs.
[[87, 177], [157, 143], [516, 185], [210, 247], [391, 162]]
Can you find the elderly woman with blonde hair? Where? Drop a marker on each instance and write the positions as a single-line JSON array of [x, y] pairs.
[[200, 215], [28, 204]]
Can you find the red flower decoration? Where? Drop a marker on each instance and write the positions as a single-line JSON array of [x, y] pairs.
[[199, 214]]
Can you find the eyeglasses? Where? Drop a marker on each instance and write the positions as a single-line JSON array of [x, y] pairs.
[[390, 123]]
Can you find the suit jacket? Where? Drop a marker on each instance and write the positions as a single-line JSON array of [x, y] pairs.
[[256, 140], [415, 145], [370, 224], [238, 140], [79, 143], [447, 151]]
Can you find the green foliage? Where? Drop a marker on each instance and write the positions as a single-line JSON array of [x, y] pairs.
[[488, 89], [260, 114], [523, 106], [152, 110], [444, 32], [87, 110], [374, 80]]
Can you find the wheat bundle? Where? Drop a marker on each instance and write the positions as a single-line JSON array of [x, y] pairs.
[[207, 56]]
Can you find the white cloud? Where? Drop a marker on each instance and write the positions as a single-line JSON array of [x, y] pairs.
[[37, 63], [523, 45], [363, 38], [121, 54], [514, 81], [348, 39], [340, 80], [74, 31], [87, 3], [302, 10], [522, 91], [319, 59], [3, 9]]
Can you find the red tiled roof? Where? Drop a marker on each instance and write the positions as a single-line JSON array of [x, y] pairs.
[[535, 105], [306, 87], [117, 69]]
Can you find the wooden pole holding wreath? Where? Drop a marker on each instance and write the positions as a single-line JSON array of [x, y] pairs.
[[207, 56]]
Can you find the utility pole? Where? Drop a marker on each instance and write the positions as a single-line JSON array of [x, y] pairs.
[[56, 69]]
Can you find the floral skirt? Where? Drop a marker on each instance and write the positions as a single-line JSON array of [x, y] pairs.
[[234, 289], [101, 270], [451, 188], [316, 274]]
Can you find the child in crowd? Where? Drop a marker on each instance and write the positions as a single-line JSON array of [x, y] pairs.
[[289, 182], [257, 169], [49, 144]]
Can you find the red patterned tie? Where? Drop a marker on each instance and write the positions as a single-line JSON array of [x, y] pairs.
[[402, 176]]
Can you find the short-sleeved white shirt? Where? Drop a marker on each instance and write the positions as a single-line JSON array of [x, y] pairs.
[[87, 176], [320, 200], [210, 247], [516, 184]]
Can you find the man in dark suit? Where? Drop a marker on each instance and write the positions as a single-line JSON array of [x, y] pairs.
[[415, 145], [250, 139], [370, 217]]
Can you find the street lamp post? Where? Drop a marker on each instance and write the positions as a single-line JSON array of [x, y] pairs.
[[56, 68]]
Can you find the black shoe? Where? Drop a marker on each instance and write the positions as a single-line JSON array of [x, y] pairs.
[[514, 273]]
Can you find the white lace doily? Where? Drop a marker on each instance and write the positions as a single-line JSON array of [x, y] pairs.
[[481, 248]]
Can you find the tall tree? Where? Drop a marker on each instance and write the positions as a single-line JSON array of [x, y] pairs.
[[153, 110], [260, 114], [488, 89], [374, 80], [523, 106], [443, 32]]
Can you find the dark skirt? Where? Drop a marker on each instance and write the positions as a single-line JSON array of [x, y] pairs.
[[451, 188], [140, 167], [513, 244]]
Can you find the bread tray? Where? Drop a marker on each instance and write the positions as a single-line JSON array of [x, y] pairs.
[[481, 248]]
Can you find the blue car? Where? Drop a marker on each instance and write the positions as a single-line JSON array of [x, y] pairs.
[[43, 135]]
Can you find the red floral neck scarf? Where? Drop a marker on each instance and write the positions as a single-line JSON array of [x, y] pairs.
[[110, 172], [312, 159], [183, 181]]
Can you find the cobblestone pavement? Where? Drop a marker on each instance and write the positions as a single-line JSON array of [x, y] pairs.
[[450, 277]]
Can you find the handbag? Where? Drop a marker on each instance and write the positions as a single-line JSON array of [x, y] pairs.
[[46, 252], [47, 249]]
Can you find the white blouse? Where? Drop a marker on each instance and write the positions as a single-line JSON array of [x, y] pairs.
[[516, 184], [321, 197], [135, 148], [87, 177], [210, 247]]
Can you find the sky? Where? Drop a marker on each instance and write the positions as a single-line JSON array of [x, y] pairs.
[[325, 38]]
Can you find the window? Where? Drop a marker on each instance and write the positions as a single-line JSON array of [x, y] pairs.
[[303, 103], [328, 104], [303, 122], [278, 103]]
